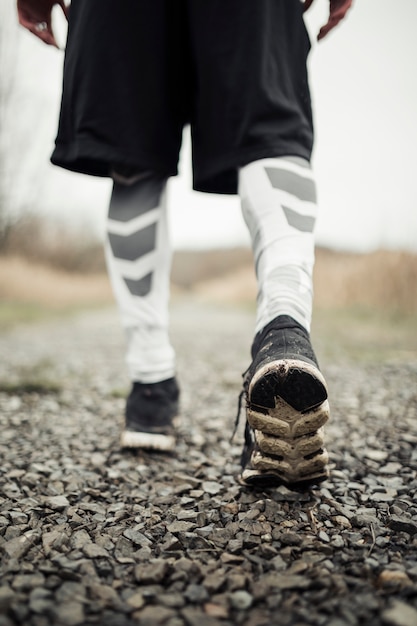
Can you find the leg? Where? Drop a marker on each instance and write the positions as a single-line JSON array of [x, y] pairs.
[[139, 257], [279, 206], [285, 392]]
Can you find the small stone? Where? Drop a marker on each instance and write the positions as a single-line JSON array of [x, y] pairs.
[[180, 527], [376, 455], [298, 567], [92, 507], [79, 539], [40, 468], [137, 537], [196, 494], [337, 541], [241, 599], [53, 540], [252, 514], [186, 515], [170, 543], [154, 615], [6, 598], [107, 595], [393, 577], [98, 459], [151, 573], [288, 539], [228, 558], [231, 507], [40, 601], [70, 591], [182, 488], [211, 487], [69, 614], [12, 532], [93, 551], [136, 601], [26, 582], [172, 600], [216, 610], [390, 468], [342, 521], [17, 548], [282, 581], [235, 545], [214, 581], [205, 531], [57, 503], [362, 520], [405, 525], [380, 496], [191, 568], [278, 563], [17, 517], [196, 594], [400, 614]]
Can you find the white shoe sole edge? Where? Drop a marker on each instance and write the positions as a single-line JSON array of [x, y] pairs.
[[147, 441]]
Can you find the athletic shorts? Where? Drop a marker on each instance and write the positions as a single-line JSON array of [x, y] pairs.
[[137, 71]]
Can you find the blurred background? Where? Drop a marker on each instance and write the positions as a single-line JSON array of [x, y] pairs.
[[364, 90]]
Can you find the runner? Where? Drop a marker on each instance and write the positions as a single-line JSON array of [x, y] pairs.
[[234, 70]]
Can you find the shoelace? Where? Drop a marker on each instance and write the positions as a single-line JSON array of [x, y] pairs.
[[239, 405]]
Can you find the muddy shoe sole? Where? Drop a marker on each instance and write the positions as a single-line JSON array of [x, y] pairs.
[[287, 408]]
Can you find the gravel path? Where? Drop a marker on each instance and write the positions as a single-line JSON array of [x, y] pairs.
[[91, 535]]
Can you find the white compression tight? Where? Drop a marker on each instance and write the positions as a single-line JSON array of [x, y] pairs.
[[138, 255], [279, 207], [278, 198]]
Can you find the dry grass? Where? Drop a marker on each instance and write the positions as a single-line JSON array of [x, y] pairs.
[[30, 291], [364, 304], [382, 280], [24, 282], [54, 244]]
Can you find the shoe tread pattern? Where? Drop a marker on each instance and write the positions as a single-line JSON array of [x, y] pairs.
[[289, 441]]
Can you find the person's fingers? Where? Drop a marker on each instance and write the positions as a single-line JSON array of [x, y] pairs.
[[41, 30], [46, 35], [337, 13], [307, 5], [64, 7], [324, 30]]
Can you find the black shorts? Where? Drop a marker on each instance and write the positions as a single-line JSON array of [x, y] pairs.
[[137, 71]]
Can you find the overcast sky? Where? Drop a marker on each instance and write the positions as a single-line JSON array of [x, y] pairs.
[[364, 84]]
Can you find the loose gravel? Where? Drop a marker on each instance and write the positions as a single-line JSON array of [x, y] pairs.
[[90, 534]]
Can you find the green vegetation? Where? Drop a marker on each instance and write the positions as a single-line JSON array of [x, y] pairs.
[[37, 378], [365, 334], [12, 313]]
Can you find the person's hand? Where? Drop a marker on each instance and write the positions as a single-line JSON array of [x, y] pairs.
[[36, 16], [338, 10]]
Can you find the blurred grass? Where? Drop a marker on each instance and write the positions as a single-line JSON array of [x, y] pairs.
[[365, 304], [31, 291], [366, 335], [38, 378]]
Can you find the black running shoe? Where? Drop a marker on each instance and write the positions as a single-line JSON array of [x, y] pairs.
[[151, 412], [286, 408]]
